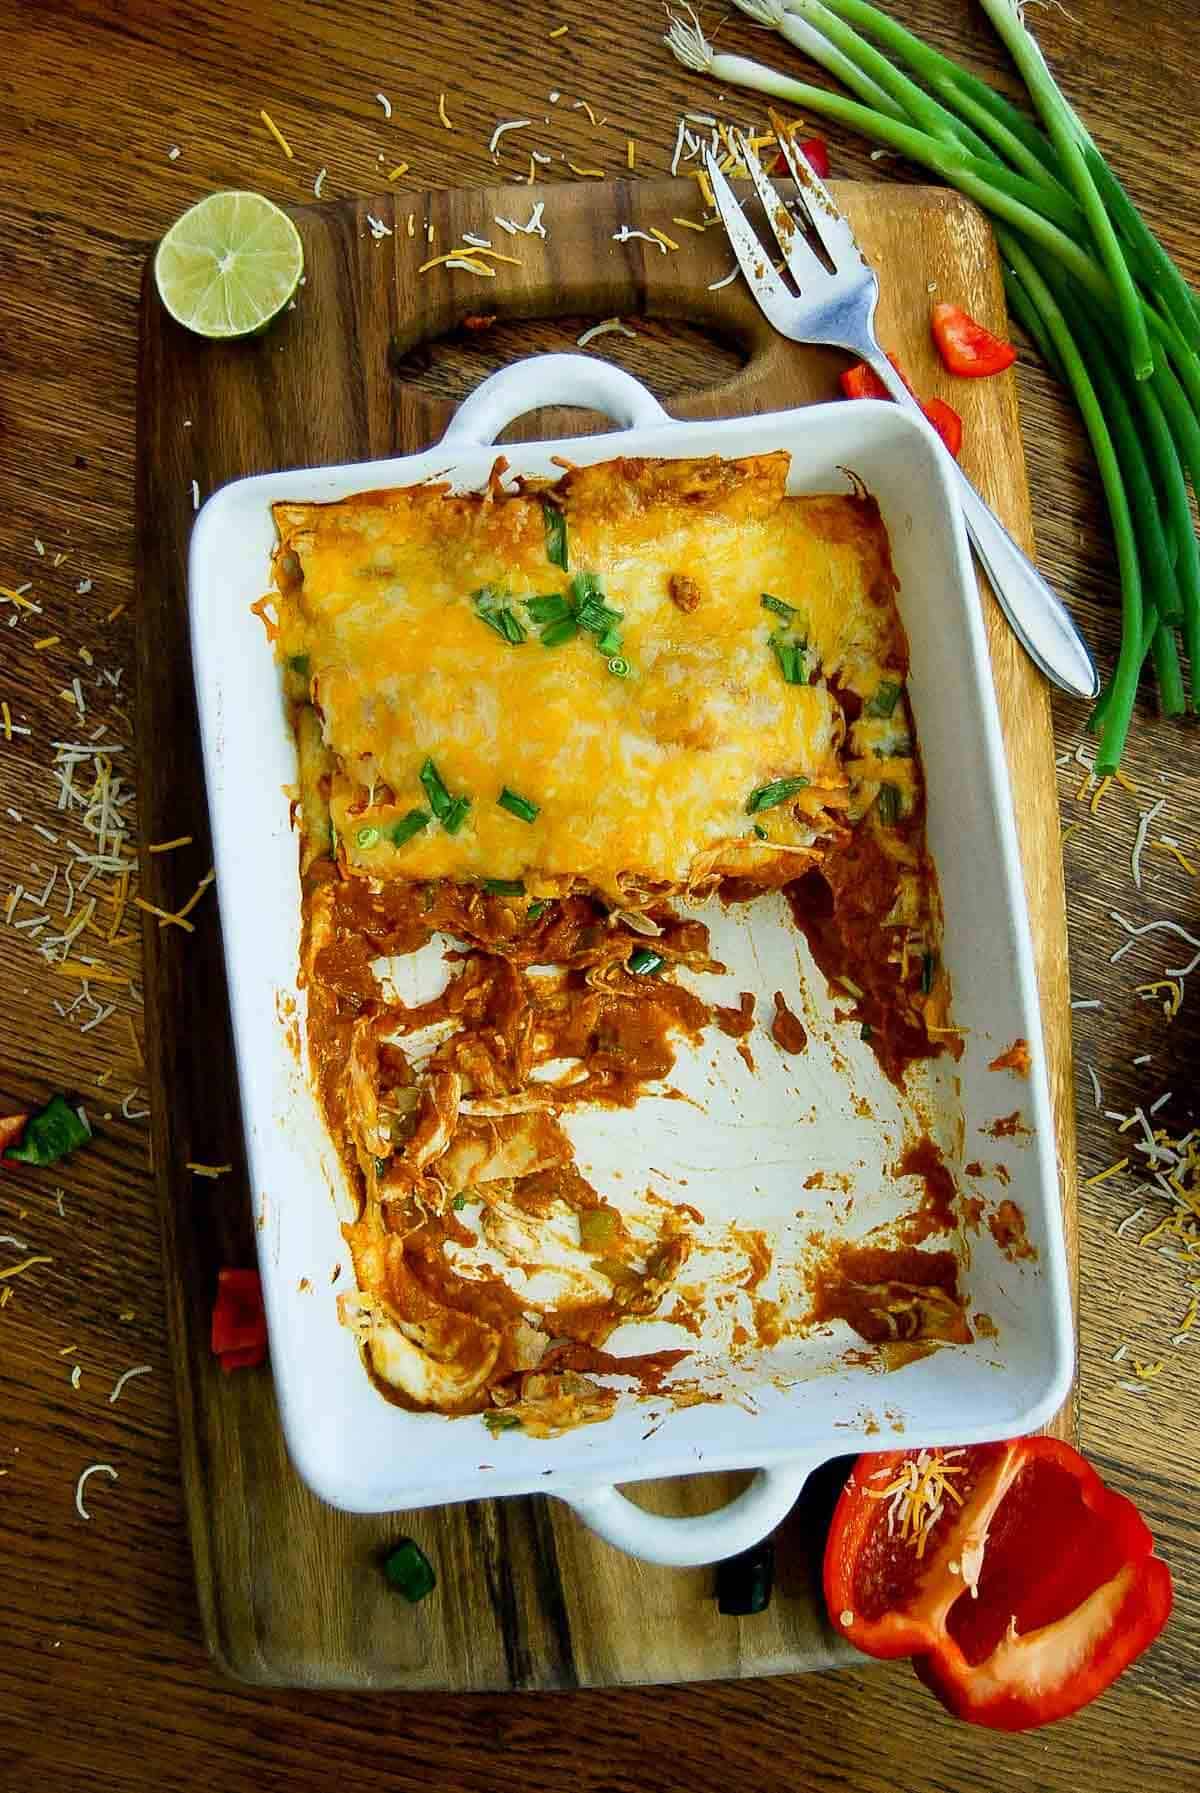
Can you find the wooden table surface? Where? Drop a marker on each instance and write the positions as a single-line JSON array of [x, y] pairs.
[[102, 1677]]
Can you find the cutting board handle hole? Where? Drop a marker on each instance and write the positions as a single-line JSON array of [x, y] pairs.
[[663, 354]]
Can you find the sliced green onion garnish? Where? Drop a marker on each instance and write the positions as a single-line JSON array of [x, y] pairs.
[[409, 1571], [889, 804], [760, 831], [504, 886], [299, 663], [450, 811], [518, 806], [584, 588], [459, 1202], [435, 790], [367, 837], [536, 909], [865, 1031], [619, 667], [777, 605], [885, 699], [610, 642], [778, 791], [496, 1421], [644, 960], [407, 826], [792, 657], [490, 609], [928, 967], [555, 634], [551, 607], [556, 534]]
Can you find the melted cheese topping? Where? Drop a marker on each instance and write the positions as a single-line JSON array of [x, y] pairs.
[[641, 781]]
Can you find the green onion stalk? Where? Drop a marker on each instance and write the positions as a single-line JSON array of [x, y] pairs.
[[1085, 277]]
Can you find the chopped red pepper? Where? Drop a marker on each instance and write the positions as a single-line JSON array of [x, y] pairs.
[[11, 1128], [946, 421], [239, 1323], [966, 347], [815, 151], [861, 381], [1021, 1585]]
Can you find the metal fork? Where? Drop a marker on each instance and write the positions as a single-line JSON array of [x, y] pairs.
[[838, 309]]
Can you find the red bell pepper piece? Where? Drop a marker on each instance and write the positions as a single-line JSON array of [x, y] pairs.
[[861, 381], [815, 150], [1021, 1585], [11, 1128], [239, 1322], [946, 421], [966, 347]]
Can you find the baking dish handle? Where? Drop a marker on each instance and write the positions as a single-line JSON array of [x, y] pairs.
[[581, 380], [685, 1543]]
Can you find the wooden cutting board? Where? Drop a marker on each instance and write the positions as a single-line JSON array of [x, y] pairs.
[[369, 363]]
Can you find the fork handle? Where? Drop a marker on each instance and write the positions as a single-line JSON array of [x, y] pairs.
[[1039, 619]]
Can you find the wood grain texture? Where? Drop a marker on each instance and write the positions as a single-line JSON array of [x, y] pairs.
[[531, 1597], [102, 1670]]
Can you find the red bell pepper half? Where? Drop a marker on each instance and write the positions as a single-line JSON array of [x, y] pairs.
[[966, 347], [815, 151], [1021, 1585], [861, 381], [239, 1322]]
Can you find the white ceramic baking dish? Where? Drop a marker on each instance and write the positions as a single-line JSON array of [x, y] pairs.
[[744, 1146]]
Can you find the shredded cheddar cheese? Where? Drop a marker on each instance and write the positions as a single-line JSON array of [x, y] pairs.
[[442, 112], [208, 1170], [278, 135], [918, 1495], [1103, 1175]]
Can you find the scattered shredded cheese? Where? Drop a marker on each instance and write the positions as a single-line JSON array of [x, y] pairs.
[[662, 237], [626, 235], [590, 174], [139, 1369], [560, 31], [207, 1170], [319, 182], [91, 1470], [714, 286], [385, 103], [1095, 1085], [630, 153], [509, 124], [278, 135], [918, 1494], [442, 112], [1143, 828], [609, 327], [25, 1264], [400, 169], [1172, 847], [1102, 1176]]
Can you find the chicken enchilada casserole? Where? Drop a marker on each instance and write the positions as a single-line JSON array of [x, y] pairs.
[[537, 725]]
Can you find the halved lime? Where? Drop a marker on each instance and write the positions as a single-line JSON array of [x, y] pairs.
[[229, 265]]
